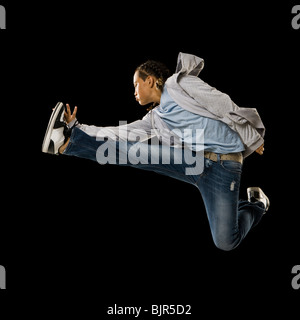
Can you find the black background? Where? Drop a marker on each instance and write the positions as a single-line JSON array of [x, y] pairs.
[[82, 236]]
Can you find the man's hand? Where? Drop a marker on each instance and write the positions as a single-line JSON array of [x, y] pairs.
[[68, 115], [260, 150]]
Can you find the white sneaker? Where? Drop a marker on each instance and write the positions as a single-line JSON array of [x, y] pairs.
[[54, 137], [256, 194]]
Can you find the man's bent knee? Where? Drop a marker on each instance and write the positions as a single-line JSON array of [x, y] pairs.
[[226, 245]]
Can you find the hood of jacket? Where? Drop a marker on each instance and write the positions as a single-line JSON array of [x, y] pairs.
[[189, 64]]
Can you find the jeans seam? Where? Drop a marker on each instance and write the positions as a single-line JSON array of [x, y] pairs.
[[201, 175]]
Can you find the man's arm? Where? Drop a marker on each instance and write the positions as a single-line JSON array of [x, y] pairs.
[[138, 130]]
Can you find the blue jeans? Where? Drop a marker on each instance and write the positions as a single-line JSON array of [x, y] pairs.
[[230, 219]]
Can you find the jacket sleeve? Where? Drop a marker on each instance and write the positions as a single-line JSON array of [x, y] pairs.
[[139, 130], [250, 137]]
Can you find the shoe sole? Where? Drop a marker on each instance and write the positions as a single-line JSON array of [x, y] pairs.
[[47, 138]]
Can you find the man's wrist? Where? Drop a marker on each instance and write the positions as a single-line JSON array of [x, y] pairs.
[[71, 123]]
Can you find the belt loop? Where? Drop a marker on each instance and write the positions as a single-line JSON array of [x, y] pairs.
[[218, 157]]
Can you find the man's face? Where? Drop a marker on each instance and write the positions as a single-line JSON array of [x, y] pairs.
[[142, 90]]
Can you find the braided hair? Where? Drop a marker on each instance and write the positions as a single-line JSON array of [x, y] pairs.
[[156, 69]]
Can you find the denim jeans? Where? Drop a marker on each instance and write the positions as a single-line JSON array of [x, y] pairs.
[[230, 219]]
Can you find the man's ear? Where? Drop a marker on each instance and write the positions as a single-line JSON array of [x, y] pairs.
[[150, 81]]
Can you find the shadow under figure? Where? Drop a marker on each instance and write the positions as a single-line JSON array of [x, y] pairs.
[[185, 110]]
